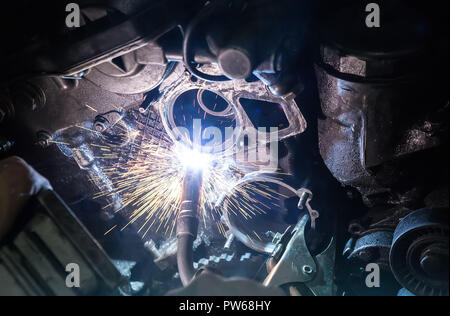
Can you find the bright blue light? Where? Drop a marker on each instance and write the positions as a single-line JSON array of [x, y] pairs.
[[193, 159]]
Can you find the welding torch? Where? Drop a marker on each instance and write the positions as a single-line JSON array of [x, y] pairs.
[[187, 223]]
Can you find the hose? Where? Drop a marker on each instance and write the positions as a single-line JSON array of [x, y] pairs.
[[192, 28], [185, 259], [187, 224]]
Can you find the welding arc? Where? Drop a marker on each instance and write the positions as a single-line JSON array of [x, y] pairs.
[[187, 224]]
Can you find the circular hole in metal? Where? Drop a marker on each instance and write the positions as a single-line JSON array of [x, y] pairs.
[[307, 269], [206, 116]]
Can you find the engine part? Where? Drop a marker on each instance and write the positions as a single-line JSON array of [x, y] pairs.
[[365, 92], [250, 25], [113, 92], [107, 120], [371, 248], [297, 265], [372, 236], [33, 259], [211, 284], [133, 73], [68, 107], [205, 262], [113, 36], [419, 254], [206, 12], [234, 93], [260, 232]]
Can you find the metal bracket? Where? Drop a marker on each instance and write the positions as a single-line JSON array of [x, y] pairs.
[[297, 265], [306, 197]]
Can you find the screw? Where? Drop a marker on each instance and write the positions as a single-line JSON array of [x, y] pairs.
[[101, 123], [229, 242]]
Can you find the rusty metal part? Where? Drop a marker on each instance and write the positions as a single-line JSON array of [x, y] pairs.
[[232, 92], [66, 108], [381, 92], [108, 120], [372, 236]]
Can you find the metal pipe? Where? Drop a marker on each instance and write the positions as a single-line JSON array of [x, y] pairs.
[[187, 224]]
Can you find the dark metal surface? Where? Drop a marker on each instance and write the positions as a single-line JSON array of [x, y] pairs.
[[371, 248], [33, 261], [383, 104], [99, 41], [419, 254], [67, 107], [133, 73], [365, 129]]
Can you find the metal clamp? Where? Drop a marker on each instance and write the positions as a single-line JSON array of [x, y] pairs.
[[305, 197], [297, 265]]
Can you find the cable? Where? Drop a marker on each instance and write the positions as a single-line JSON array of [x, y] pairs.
[[188, 55]]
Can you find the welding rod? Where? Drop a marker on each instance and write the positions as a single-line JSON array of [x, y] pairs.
[[187, 224]]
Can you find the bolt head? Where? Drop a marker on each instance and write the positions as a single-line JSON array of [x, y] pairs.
[[434, 262], [99, 127], [235, 64]]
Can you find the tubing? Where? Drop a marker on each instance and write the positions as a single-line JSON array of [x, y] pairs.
[[187, 224]]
